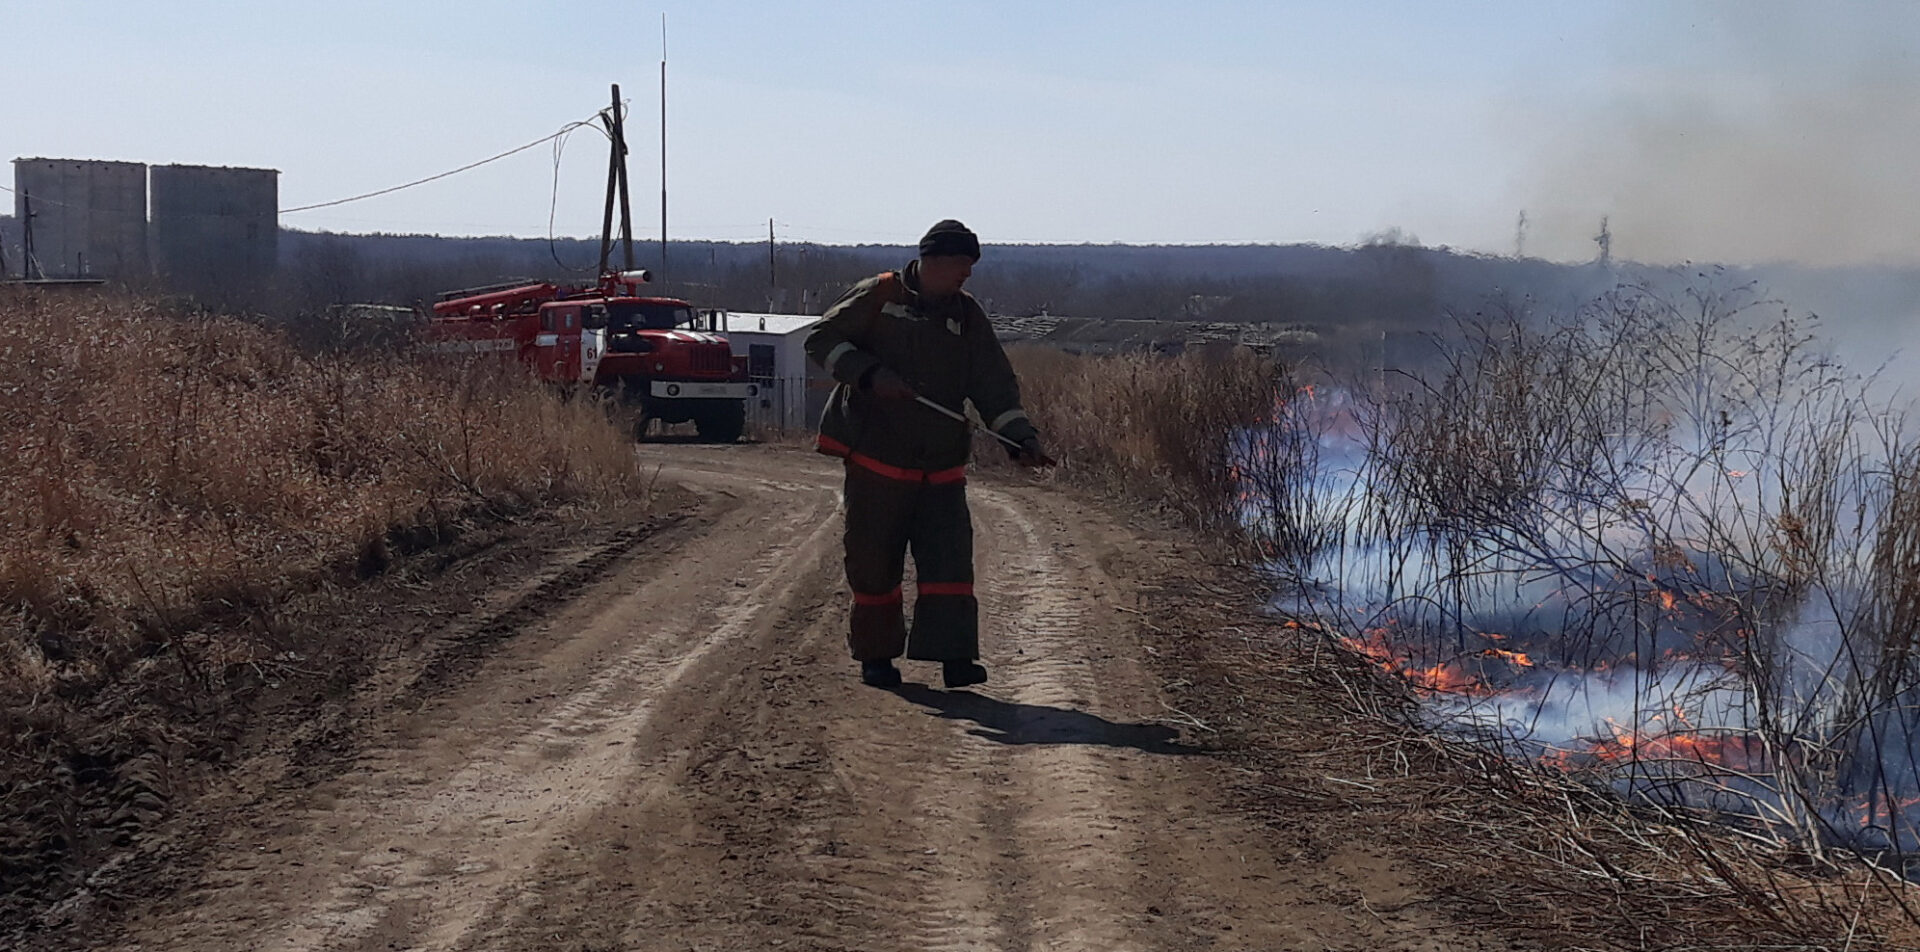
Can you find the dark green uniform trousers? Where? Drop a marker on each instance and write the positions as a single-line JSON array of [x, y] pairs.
[[888, 511]]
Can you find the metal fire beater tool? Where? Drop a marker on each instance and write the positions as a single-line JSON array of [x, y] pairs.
[[943, 411]]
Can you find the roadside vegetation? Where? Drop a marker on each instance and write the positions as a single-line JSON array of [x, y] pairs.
[[1163, 431], [169, 482]]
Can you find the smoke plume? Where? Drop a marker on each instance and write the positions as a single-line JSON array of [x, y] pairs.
[[1746, 133]]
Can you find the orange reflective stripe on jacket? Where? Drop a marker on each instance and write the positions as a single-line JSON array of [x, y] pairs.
[[833, 447]]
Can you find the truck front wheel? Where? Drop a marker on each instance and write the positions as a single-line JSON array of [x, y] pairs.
[[722, 424]]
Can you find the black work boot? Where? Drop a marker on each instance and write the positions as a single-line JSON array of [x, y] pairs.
[[879, 674], [959, 674]]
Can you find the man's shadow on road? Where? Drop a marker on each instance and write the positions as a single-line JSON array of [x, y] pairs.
[[1006, 722]]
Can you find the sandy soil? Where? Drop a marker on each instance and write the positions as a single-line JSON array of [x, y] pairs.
[[679, 756]]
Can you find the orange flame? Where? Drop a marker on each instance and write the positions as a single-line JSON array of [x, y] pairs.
[[1516, 657], [1447, 677], [1733, 751]]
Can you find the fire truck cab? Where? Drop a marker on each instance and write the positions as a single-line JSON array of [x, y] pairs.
[[650, 352]]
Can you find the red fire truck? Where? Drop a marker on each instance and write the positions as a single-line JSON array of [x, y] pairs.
[[654, 353]]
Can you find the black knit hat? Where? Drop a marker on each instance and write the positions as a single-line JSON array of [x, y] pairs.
[[950, 238]]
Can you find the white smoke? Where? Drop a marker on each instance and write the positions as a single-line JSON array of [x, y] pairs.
[[1769, 132]]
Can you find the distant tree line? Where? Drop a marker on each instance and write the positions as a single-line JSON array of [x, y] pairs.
[[1382, 287], [1389, 286]]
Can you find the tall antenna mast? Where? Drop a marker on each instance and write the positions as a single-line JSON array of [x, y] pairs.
[[663, 143]]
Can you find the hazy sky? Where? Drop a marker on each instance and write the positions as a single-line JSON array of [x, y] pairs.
[[1737, 131]]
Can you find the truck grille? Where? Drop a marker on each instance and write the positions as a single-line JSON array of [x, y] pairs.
[[711, 359]]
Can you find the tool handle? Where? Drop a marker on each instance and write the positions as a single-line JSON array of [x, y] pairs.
[[944, 411]]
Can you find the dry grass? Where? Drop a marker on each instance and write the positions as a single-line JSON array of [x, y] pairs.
[[157, 465], [168, 480], [1165, 431]]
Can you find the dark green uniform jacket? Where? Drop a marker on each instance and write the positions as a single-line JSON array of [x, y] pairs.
[[945, 350]]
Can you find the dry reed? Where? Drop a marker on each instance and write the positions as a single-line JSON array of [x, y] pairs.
[[1166, 431], [158, 464]]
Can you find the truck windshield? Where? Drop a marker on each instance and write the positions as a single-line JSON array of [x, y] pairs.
[[635, 316]]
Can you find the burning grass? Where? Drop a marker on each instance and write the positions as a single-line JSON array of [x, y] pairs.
[[169, 480], [1523, 850], [1653, 562], [1685, 520], [1660, 546]]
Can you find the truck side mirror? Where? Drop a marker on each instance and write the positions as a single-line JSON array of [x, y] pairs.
[[594, 318]]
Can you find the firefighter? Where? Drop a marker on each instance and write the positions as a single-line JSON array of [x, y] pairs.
[[890, 339]]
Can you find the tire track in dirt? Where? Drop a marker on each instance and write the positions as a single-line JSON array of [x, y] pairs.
[[1062, 796], [922, 820], [1137, 856], [809, 811], [589, 730]]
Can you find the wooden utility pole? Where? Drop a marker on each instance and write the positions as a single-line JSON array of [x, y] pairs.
[[613, 173], [773, 264], [616, 186], [626, 207], [29, 268]]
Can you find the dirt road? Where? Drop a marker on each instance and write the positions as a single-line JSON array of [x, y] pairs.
[[680, 757]]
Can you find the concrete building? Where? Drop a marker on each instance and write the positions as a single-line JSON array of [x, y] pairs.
[[793, 391], [215, 229], [210, 230], [89, 217]]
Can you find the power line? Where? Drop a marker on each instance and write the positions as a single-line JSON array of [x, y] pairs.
[[569, 127], [553, 205], [48, 201]]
